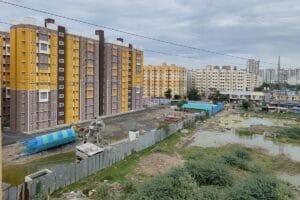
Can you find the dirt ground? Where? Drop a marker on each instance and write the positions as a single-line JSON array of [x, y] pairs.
[[158, 163], [116, 128]]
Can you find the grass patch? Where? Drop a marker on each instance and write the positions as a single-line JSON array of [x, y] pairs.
[[290, 135], [120, 170], [209, 173]]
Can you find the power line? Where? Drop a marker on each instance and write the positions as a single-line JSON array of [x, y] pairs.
[[159, 52], [130, 33]]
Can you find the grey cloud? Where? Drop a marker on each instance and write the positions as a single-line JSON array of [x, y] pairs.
[[253, 28]]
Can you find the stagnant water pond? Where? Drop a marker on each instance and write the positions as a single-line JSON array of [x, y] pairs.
[[213, 138], [217, 139]]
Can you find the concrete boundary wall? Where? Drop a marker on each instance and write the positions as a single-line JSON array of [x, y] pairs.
[[66, 174]]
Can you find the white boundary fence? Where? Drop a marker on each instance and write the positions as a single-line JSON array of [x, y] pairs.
[[66, 174]]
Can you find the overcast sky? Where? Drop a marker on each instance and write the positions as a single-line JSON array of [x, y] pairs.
[[249, 28]]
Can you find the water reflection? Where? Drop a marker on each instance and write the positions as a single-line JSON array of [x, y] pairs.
[[216, 139]]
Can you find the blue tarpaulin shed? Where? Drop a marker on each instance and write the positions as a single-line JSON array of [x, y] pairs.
[[204, 106]]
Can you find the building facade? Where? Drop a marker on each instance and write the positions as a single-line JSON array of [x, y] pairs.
[[123, 74], [253, 66], [5, 77], [52, 77], [159, 78], [34, 86], [223, 79], [189, 80]]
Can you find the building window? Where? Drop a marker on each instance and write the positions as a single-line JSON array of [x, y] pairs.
[[61, 113], [43, 47], [61, 105], [61, 34], [61, 69], [61, 43], [138, 91], [43, 95], [61, 60], [61, 96], [61, 87], [61, 51], [61, 78]]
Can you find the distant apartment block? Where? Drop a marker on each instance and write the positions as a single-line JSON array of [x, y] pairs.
[[289, 75], [252, 66], [189, 80], [52, 77], [159, 78], [227, 78], [5, 77]]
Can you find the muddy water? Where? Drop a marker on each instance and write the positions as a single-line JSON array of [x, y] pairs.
[[15, 174], [212, 137], [217, 139]]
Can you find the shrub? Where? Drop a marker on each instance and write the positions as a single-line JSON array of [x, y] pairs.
[[259, 186], [292, 133], [129, 187], [209, 173], [209, 193], [102, 192], [235, 161], [169, 186], [195, 156], [242, 154]]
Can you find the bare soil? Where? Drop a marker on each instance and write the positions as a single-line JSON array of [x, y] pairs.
[[158, 163]]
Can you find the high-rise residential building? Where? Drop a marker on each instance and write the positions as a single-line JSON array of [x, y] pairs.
[[122, 88], [55, 77], [89, 78], [34, 83], [189, 80], [270, 76], [5, 77], [253, 66], [224, 79], [159, 78]]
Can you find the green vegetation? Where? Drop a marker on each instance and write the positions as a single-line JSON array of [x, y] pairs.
[[246, 104], [259, 186], [218, 97], [230, 172], [292, 133], [177, 96], [208, 177], [119, 171], [277, 115], [194, 95], [280, 134], [168, 93], [209, 172]]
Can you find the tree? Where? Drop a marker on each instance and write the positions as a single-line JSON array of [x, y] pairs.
[[246, 104], [168, 93], [218, 97], [194, 95], [177, 96]]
